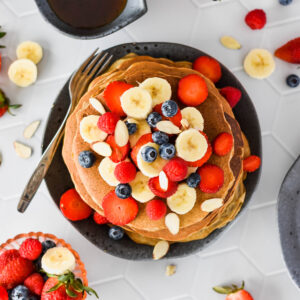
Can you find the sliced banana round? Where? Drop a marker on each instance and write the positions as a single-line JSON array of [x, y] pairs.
[[211, 204], [30, 50], [150, 169], [142, 128], [259, 63], [183, 200], [159, 89], [22, 72], [136, 103], [191, 145], [106, 169], [194, 117], [58, 261], [172, 222], [89, 130], [97, 105], [140, 189]]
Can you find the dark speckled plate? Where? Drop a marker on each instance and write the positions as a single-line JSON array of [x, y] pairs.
[[58, 179], [289, 220]]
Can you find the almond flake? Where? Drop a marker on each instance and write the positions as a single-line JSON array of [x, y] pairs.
[[230, 42], [167, 127], [121, 134], [22, 150], [170, 270], [163, 180], [185, 123], [160, 249], [31, 129], [1, 158], [97, 105], [172, 222], [102, 148], [211, 204]]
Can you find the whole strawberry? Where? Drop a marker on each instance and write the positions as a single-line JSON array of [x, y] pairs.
[[290, 52], [4, 104], [233, 292]]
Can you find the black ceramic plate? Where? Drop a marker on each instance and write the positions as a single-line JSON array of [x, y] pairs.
[[58, 179], [289, 220]]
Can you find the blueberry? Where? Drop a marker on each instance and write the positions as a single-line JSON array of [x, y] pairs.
[[86, 159], [153, 118], [20, 292], [159, 137], [149, 154], [123, 190], [45, 276], [293, 80], [132, 127], [48, 244], [285, 2], [193, 180], [116, 233], [38, 263], [167, 151], [169, 108]]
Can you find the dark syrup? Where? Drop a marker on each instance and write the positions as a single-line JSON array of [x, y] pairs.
[[87, 13]]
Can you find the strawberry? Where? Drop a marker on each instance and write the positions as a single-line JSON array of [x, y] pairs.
[[107, 122], [176, 169], [99, 219], [212, 178], [125, 171], [31, 249], [290, 52], [112, 94], [3, 293], [73, 207], [223, 144], [233, 292], [4, 104], [176, 120], [119, 211], [156, 209], [209, 67], [35, 283], [251, 163], [118, 153], [7, 256], [144, 139], [256, 19], [231, 94], [154, 186]]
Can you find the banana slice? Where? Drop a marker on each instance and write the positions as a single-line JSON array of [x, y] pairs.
[[259, 63], [89, 130], [136, 103], [150, 169], [22, 72], [30, 50], [172, 222], [140, 189], [183, 200], [159, 89], [191, 145], [96, 104], [142, 128], [194, 117], [106, 169], [58, 261], [230, 42]]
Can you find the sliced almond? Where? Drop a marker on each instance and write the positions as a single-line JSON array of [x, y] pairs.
[[31, 129], [96, 104], [163, 180], [167, 127], [160, 249], [1, 158], [22, 150], [212, 204], [121, 134], [170, 270], [185, 123], [230, 42], [172, 222], [102, 148]]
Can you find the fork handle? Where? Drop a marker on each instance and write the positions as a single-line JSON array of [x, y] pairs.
[[41, 170]]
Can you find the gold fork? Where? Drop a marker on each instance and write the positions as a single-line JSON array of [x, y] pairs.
[[93, 66]]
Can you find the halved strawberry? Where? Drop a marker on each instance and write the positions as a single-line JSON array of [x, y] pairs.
[[290, 52], [119, 211], [192, 90], [112, 94], [251, 163], [223, 144], [212, 178], [158, 191], [209, 67], [144, 139], [176, 120], [118, 153]]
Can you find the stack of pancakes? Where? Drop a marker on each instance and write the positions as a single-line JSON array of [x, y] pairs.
[[218, 118]]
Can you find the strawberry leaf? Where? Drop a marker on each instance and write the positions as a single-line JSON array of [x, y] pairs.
[[2, 34], [90, 291], [228, 289], [54, 288], [70, 293]]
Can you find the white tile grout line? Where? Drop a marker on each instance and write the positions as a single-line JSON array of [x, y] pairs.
[[263, 205], [135, 287], [218, 252], [31, 12], [249, 259], [108, 279], [212, 3], [278, 140], [130, 35]]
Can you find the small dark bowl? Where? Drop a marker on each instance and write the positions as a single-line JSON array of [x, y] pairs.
[[134, 9]]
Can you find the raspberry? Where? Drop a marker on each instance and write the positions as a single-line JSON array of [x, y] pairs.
[[176, 169], [223, 143], [256, 19], [35, 283], [251, 163], [108, 121], [125, 171], [99, 219], [231, 94], [31, 249], [212, 178], [156, 209]]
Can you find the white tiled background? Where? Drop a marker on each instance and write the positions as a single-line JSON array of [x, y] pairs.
[[250, 250]]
